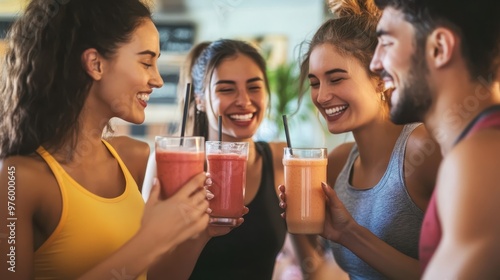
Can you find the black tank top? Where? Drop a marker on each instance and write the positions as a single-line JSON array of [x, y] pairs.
[[248, 251]]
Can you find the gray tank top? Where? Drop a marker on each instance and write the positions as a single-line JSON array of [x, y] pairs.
[[385, 209]]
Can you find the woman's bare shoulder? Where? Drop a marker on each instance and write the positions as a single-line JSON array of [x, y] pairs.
[[422, 160], [277, 148], [134, 154], [27, 176], [340, 153], [126, 145], [337, 159], [130, 149], [423, 153], [33, 165]]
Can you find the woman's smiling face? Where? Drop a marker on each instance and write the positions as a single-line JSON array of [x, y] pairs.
[[237, 92], [342, 90]]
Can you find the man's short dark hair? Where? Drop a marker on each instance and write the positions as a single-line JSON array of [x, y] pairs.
[[477, 22]]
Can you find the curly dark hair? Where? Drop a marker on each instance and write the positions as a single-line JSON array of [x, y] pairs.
[[43, 85]]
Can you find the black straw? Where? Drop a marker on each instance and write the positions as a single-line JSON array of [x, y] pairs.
[[220, 128], [185, 113], [287, 134]]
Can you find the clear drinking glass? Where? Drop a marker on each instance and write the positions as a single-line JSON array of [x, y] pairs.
[[178, 159], [305, 169], [227, 165]]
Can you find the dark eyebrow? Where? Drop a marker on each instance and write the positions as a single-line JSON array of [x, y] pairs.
[[148, 52], [336, 70], [329, 72], [225, 82], [256, 79], [233, 82], [381, 32]]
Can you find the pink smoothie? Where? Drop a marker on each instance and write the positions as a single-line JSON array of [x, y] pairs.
[[176, 168], [228, 173]]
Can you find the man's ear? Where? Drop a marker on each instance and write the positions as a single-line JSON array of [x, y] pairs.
[[92, 63], [442, 44]]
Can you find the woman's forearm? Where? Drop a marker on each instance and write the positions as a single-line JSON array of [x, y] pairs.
[[380, 255], [179, 262]]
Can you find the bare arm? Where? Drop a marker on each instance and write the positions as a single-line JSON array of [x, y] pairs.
[[468, 196], [422, 159], [180, 262], [344, 230], [314, 264], [17, 204]]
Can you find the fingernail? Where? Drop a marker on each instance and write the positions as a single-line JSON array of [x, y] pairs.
[[210, 195], [155, 181], [323, 184], [208, 181], [209, 210], [282, 204]]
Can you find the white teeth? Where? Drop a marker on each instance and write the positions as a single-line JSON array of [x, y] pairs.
[[389, 85], [143, 96], [244, 117], [335, 110]]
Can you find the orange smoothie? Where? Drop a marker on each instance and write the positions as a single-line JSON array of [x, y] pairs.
[[176, 168], [305, 199]]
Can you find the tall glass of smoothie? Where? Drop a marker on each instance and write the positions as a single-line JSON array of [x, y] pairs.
[[178, 159], [227, 165], [305, 169]]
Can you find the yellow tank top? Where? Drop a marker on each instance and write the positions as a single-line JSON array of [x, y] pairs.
[[90, 228]]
